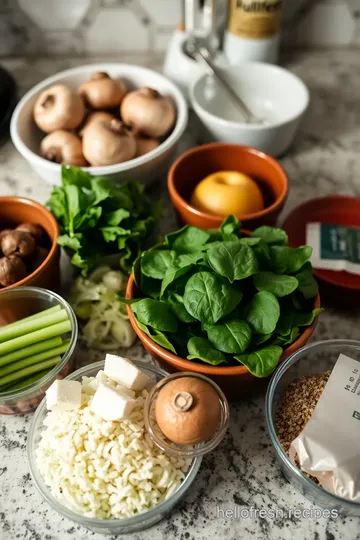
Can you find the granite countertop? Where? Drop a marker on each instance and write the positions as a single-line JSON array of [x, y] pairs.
[[242, 472]]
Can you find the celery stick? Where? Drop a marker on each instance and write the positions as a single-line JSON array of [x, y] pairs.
[[29, 351], [35, 337], [31, 326], [29, 361], [17, 375], [26, 382], [31, 317]]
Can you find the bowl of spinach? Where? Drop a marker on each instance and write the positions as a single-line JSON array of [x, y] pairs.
[[225, 302]]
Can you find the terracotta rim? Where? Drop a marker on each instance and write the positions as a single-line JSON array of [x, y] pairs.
[[187, 365], [55, 233], [179, 201]]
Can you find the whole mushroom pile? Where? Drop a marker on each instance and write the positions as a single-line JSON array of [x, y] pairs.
[[102, 123], [22, 252]]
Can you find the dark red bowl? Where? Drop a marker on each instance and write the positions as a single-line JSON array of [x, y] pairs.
[[336, 287]]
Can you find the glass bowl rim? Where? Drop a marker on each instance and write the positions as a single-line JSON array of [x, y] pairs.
[[96, 522], [35, 386], [275, 379]]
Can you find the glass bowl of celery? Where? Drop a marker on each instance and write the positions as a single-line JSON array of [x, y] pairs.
[[38, 335]]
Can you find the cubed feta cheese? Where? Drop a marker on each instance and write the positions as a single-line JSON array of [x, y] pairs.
[[111, 404], [64, 395], [123, 371]]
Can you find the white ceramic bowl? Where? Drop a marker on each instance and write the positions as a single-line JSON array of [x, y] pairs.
[[26, 136], [271, 92]]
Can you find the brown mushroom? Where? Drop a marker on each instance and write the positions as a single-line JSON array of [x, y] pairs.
[[12, 270], [58, 107], [148, 112], [93, 118], [107, 143], [144, 146], [63, 147], [32, 228], [102, 92], [188, 410], [17, 243]]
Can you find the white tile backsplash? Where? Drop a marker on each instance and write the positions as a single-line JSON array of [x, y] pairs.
[[113, 26]]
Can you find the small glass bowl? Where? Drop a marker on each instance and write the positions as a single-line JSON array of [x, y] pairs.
[[137, 523], [309, 360], [16, 304], [185, 451]]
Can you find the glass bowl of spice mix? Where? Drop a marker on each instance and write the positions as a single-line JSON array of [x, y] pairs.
[[291, 398]]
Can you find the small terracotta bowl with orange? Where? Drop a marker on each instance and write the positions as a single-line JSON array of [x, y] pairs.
[[198, 163], [235, 381], [16, 210]]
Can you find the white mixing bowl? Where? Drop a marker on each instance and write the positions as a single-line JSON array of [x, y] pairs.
[[26, 136], [271, 92]]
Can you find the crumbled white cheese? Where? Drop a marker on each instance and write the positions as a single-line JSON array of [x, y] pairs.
[[64, 395], [111, 404], [105, 469], [123, 371]]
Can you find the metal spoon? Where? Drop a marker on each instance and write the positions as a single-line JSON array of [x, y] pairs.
[[195, 49]]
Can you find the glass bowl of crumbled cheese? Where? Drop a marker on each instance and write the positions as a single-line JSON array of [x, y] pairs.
[[108, 476], [312, 411]]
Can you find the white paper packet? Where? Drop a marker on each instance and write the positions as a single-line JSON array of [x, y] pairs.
[[335, 247], [328, 448]]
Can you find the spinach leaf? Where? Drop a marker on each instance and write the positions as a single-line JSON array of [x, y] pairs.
[[271, 235], [279, 285], [285, 322], [285, 259], [110, 234], [230, 228], [263, 312], [208, 299], [306, 319], [187, 240], [155, 263], [200, 348], [188, 258], [172, 274], [113, 219], [155, 314], [176, 303], [232, 260], [249, 240], [150, 286], [262, 254], [307, 283], [163, 341], [144, 328], [259, 339], [230, 337], [261, 363]]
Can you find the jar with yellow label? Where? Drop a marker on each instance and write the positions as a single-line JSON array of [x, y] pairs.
[[253, 31]]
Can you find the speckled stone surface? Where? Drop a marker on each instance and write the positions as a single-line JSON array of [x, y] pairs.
[[242, 473]]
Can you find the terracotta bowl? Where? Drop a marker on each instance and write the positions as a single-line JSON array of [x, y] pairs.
[[192, 166], [236, 382], [16, 210]]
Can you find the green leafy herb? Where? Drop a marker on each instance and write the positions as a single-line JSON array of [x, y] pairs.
[[232, 336], [155, 314], [176, 303], [187, 240], [276, 284], [289, 260], [261, 363], [98, 218], [271, 235], [233, 260], [200, 348], [208, 299], [155, 263], [307, 283], [263, 312]]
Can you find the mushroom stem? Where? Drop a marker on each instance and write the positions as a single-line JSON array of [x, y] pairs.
[[183, 401]]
